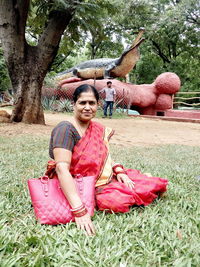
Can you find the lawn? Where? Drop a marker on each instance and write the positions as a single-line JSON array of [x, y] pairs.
[[166, 233]]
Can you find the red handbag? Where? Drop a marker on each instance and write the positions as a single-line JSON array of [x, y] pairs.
[[50, 204]]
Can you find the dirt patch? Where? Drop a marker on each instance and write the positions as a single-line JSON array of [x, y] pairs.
[[128, 131]]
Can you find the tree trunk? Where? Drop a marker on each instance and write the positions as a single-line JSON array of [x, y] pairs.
[[28, 65], [27, 86], [28, 107]]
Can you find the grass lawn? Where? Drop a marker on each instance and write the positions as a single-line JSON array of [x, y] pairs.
[[166, 233]]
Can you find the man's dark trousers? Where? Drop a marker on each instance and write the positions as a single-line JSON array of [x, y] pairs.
[[106, 105]]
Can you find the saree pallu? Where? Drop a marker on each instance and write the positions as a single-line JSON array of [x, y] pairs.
[[91, 157], [117, 197]]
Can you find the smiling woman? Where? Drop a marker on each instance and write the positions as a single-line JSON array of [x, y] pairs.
[[80, 147], [85, 107]]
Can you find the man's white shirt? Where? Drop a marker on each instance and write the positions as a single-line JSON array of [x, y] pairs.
[[110, 92]]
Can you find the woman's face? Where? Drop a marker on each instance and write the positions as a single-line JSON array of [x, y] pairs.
[[86, 106]]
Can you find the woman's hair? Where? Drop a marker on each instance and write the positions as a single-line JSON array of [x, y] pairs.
[[85, 88]]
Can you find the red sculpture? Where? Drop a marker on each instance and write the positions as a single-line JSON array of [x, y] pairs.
[[148, 99]]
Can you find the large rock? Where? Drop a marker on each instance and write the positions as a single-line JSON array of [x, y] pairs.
[[4, 116]]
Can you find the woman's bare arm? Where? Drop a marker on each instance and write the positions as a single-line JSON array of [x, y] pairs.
[[63, 159]]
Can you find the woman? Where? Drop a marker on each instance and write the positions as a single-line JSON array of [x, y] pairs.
[[80, 146]]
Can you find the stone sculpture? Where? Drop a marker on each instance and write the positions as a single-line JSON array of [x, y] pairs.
[[106, 67], [148, 99]]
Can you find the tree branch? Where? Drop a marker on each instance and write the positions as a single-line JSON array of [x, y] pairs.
[[49, 41], [194, 20], [159, 52], [57, 64], [13, 16]]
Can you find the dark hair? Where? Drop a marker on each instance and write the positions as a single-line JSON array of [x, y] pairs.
[[109, 82], [85, 88]]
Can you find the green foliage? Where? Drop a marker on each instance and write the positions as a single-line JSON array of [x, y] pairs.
[[172, 42], [54, 104], [104, 28], [172, 39], [49, 81], [65, 105], [166, 233], [48, 103]]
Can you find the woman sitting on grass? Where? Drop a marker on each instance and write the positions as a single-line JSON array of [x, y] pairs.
[[80, 146]]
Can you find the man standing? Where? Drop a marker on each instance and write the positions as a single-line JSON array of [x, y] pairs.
[[110, 98]]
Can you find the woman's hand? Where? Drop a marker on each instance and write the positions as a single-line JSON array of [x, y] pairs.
[[123, 178], [84, 223]]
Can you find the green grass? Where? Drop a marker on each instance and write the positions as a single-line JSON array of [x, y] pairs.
[[166, 233], [116, 115], [99, 114]]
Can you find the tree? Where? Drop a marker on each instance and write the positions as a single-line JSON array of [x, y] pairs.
[[172, 38], [4, 77], [28, 64], [90, 34]]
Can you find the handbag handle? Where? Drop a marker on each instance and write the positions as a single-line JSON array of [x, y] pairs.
[[79, 182], [45, 185]]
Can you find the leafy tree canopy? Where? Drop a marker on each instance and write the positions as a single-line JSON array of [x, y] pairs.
[[172, 38], [104, 28]]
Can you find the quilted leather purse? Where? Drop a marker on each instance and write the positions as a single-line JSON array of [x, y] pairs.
[[50, 204]]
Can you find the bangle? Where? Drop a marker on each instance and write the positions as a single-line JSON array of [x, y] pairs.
[[120, 172], [80, 213], [78, 208], [116, 166]]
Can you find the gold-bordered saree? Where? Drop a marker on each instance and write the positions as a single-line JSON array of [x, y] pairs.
[[91, 156]]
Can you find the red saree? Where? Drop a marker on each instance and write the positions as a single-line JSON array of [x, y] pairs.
[[91, 157]]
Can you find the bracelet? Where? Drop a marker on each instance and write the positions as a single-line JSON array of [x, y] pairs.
[[78, 208], [116, 166], [120, 172], [80, 213]]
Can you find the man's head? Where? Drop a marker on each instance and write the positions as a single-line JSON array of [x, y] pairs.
[[109, 84]]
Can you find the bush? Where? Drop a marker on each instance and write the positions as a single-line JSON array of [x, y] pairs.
[[53, 104]]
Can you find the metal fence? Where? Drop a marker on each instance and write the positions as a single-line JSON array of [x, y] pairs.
[[58, 99], [187, 100]]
